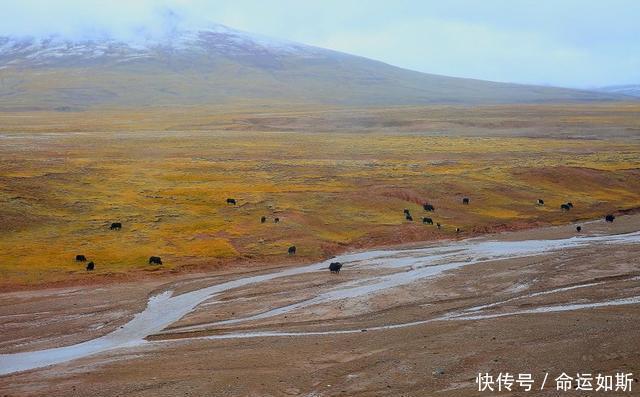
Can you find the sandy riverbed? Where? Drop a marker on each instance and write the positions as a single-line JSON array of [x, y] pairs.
[[532, 301]]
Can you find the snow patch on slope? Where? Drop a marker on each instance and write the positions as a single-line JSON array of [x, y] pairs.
[[217, 39]]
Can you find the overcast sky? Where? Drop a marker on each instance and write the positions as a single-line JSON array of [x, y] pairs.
[[576, 43]]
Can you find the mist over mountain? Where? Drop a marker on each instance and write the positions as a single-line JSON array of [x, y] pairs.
[[626, 89], [220, 65]]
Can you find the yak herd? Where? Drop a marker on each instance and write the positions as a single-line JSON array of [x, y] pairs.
[[335, 267], [465, 201]]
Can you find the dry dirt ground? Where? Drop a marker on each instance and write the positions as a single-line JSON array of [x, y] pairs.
[[441, 357]]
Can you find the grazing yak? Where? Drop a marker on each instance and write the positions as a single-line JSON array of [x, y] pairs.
[[408, 217], [231, 201], [458, 230], [263, 219], [565, 207], [428, 207], [292, 250], [276, 220], [578, 229], [428, 221], [439, 225], [465, 201], [90, 266], [540, 202], [116, 226], [155, 260], [335, 267], [81, 258], [609, 218]]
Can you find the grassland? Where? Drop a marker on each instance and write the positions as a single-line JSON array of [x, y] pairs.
[[337, 180]]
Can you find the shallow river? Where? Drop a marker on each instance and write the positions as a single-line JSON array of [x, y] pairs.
[[412, 264]]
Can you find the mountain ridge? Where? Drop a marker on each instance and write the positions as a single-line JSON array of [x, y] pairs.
[[221, 65], [624, 89]]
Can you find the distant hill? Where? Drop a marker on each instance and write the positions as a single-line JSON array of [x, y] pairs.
[[629, 89], [220, 66]]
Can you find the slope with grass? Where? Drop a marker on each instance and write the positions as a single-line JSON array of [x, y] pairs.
[[221, 66], [333, 191]]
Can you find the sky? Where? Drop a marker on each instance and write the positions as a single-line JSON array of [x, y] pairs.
[[571, 43]]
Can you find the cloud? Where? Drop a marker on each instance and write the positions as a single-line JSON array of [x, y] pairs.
[[78, 18]]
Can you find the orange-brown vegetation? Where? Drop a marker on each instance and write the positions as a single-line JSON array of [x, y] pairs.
[[337, 180]]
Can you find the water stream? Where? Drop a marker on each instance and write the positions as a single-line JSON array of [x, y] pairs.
[[412, 264]]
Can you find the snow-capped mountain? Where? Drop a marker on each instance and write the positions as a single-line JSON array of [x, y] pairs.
[[218, 40], [223, 65]]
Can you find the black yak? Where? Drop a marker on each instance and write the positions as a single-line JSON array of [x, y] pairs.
[[335, 267]]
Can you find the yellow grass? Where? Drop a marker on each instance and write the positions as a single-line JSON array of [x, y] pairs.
[[331, 190]]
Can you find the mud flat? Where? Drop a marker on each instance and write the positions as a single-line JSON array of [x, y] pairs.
[[532, 301]]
